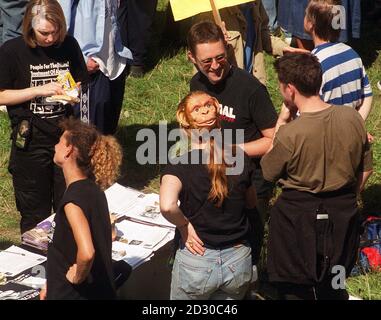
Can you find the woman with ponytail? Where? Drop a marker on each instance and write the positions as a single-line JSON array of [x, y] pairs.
[[79, 256], [213, 259]]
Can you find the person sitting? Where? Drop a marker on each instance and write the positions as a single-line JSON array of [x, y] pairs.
[[213, 259]]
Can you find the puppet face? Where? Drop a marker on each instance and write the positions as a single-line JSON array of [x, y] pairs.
[[202, 111]]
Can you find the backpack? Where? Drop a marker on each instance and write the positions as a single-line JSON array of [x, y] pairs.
[[369, 258]]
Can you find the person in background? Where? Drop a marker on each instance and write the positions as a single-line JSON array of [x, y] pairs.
[[94, 24], [271, 10], [345, 81], [213, 260], [28, 75], [291, 15], [248, 37], [79, 257], [135, 18], [11, 16], [322, 160]]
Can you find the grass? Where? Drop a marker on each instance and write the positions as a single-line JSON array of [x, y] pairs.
[[155, 97]]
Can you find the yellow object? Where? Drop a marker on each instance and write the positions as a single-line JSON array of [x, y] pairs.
[[66, 80], [183, 9]]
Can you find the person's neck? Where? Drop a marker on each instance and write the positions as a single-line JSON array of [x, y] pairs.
[[311, 104], [317, 41], [72, 174]]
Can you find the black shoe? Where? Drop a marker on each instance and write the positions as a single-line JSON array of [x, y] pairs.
[[137, 71]]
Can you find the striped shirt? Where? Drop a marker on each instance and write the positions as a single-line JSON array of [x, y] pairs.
[[344, 78]]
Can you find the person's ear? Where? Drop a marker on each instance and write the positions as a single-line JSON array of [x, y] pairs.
[[292, 89], [308, 25], [69, 151], [191, 57]]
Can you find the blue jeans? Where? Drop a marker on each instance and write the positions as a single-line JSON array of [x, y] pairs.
[[271, 10], [11, 16], [220, 274]]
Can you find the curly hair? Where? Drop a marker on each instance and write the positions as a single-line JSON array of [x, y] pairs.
[[217, 171], [99, 157]]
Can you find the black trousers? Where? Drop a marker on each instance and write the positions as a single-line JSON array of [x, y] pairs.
[[106, 99], [38, 183], [135, 19]]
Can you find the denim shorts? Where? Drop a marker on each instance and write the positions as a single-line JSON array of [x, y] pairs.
[[220, 274]]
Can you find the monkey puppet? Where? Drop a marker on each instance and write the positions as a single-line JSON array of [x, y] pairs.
[[198, 110]]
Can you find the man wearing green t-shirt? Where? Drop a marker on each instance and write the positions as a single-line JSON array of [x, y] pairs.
[[322, 160]]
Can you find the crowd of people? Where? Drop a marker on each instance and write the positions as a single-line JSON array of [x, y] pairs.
[[64, 155]]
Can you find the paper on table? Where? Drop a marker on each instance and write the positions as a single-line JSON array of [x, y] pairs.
[[147, 209], [120, 199], [133, 255], [15, 260], [146, 236]]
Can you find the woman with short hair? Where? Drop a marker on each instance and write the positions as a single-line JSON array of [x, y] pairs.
[[28, 76]]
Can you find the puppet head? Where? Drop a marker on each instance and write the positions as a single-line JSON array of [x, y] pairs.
[[198, 110]]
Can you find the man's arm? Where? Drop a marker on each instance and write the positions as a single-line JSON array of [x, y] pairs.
[[286, 115], [259, 147], [362, 178], [365, 107]]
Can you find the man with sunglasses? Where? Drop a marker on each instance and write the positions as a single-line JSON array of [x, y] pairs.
[[244, 104]]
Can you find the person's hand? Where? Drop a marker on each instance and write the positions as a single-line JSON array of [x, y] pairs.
[[71, 274], [370, 138], [191, 240], [294, 50], [224, 31], [286, 113], [43, 293], [49, 89], [92, 65]]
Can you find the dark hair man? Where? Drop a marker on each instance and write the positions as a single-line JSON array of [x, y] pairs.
[[322, 160], [244, 104]]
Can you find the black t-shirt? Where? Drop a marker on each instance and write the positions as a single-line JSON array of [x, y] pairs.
[[63, 249], [216, 226], [244, 104], [23, 67]]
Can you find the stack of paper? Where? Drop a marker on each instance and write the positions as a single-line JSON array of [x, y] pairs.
[[120, 199], [133, 255], [136, 205], [40, 236], [142, 235], [144, 231], [15, 260]]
